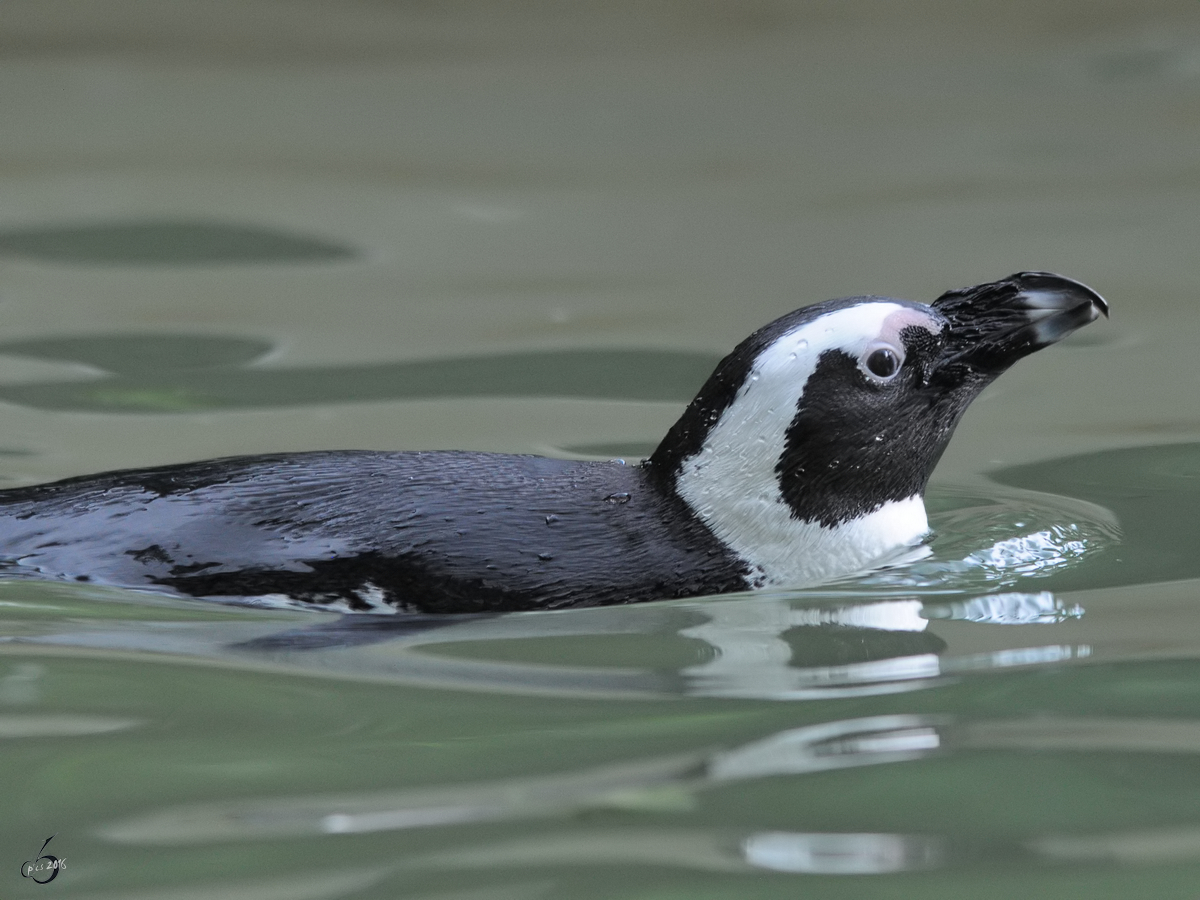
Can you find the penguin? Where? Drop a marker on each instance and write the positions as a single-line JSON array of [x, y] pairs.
[[804, 458]]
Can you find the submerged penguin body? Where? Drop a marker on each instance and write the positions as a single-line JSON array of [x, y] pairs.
[[803, 458], [422, 531]]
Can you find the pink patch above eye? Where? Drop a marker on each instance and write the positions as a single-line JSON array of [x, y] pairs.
[[908, 317]]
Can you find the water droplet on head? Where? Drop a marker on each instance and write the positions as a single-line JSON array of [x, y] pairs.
[[801, 346], [545, 557], [551, 519], [619, 497]]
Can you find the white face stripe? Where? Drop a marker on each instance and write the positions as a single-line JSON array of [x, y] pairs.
[[731, 484]]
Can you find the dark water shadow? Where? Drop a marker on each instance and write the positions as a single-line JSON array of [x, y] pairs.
[[141, 355], [182, 373], [1154, 493], [355, 631], [166, 242]]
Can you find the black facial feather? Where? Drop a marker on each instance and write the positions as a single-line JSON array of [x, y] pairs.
[[855, 445], [983, 319]]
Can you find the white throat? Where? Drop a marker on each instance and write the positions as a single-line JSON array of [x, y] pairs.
[[732, 486]]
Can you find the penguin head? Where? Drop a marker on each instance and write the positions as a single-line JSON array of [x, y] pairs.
[[809, 448]]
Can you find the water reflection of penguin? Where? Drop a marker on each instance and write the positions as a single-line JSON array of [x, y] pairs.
[[803, 458], [832, 645]]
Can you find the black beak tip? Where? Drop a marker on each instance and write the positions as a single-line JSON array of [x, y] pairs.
[[1067, 291]]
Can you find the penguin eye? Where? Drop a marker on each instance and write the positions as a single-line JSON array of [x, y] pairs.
[[881, 363]]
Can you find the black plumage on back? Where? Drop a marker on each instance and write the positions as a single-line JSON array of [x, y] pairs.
[[430, 532]]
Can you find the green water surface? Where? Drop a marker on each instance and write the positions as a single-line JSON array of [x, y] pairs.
[[273, 226]]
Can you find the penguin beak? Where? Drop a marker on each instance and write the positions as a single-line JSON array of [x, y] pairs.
[[993, 325]]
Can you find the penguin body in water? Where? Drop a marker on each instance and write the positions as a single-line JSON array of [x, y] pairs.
[[804, 458]]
